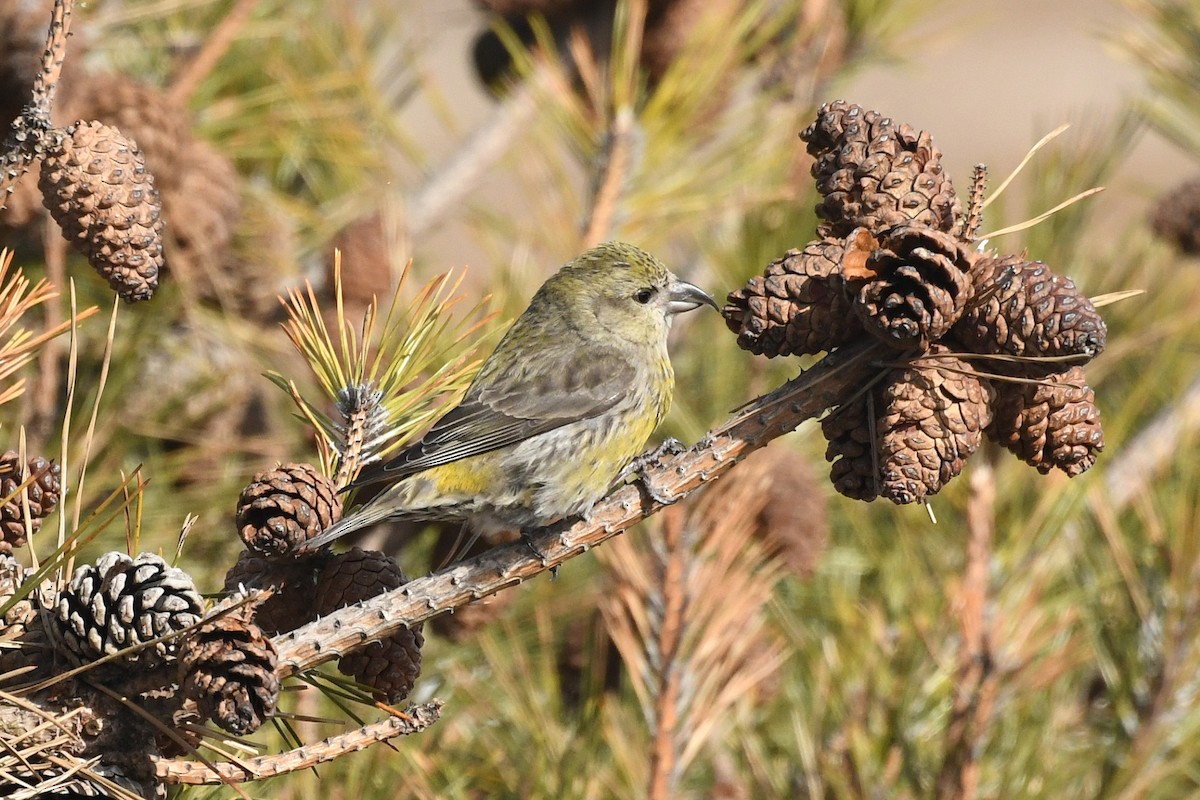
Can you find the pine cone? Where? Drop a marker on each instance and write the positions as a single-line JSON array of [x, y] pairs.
[[121, 602], [42, 493], [1176, 216], [366, 260], [159, 127], [874, 173], [390, 666], [1053, 423], [1024, 309], [921, 287], [850, 431], [933, 416], [284, 507], [12, 578], [293, 582], [228, 669], [202, 209], [95, 184], [794, 307]]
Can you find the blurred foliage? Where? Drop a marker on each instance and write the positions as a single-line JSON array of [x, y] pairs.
[[1091, 603]]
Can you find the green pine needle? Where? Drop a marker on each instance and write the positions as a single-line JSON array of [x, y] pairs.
[[399, 376]]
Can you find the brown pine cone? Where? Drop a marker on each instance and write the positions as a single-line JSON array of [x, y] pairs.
[[157, 125], [794, 308], [1176, 216], [1052, 423], [202, 208], [934, 414], [121, 602], [366, 248], [95, 184], [228, 669], [293, 582], [874, 173], [1025, 309], [354, 576], [43, 494], [850, 431], [921, 286], [391, 666], [283, 508]]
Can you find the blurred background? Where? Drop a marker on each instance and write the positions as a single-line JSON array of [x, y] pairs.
[[818, 647]]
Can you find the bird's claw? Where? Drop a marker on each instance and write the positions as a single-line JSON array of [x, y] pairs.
[[663, 498], [642, 465], [670, 447], [533, 548]]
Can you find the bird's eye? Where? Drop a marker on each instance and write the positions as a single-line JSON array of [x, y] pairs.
[[643, 295]]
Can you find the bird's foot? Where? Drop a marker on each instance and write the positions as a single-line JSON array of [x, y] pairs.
[[527, 538], [650, 458], [642, 465]]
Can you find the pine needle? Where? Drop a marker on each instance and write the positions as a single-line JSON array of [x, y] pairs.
[[404, 370], [1029, 223], [1004, 184], [1108, 298]]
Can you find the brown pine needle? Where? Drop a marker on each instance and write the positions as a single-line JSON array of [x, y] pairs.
[[1108, 298], [1029, 223], [1045, 140]]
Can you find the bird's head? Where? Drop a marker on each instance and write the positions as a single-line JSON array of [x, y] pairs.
[[629, 291]]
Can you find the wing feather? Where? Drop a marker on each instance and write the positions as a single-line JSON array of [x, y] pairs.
[[533, 398]]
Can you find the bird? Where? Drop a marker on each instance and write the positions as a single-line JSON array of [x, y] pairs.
[[566, 401]]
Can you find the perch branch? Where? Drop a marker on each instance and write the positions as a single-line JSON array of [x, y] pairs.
[[414, 720], [827, 383]]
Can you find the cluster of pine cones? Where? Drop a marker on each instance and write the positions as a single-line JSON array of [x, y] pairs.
[[985, 344], [142, 628], [123, 163], [280, 510]]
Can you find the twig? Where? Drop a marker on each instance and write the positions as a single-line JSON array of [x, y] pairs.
[[43, 401], [414, 720], [1156, 445], [460, 176], [663, 753], [27, 133], [975, 684], [826, 384], [210, 53], [615, 166]]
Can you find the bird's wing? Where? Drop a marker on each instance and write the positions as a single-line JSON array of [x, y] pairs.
[[532, 397]]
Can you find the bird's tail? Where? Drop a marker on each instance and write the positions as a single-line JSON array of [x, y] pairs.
[[359, 518]]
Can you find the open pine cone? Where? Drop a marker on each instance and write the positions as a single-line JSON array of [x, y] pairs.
[[283, 508], [122, 602], [228, 670], [874, 173], [892, 253], [794, 307]]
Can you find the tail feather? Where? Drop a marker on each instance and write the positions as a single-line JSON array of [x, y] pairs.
[[358, 518]]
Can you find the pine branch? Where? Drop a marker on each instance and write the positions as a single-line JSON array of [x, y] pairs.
[[414, 720], [827, 383]]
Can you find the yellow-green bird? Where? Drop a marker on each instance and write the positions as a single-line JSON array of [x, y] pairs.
[[567, 399]]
